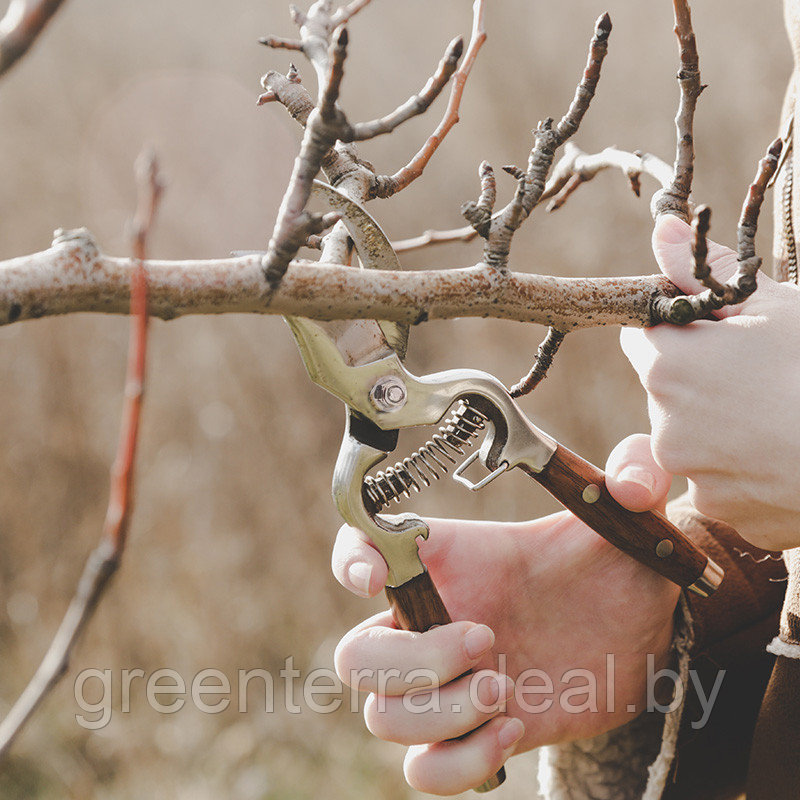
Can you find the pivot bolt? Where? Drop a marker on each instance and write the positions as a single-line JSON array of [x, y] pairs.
[[388, 394]]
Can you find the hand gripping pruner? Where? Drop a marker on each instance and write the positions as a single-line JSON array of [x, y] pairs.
[[361, 362]]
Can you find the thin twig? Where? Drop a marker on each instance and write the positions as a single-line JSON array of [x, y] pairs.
[[675, 198], [429, 237], [279, 43], [548, 137], [105, 558], [326, 124], [683, 309], [19, 28], [387, 185], [544, 359], [416, 104], [345, 13], [702, 272], [576, 167]]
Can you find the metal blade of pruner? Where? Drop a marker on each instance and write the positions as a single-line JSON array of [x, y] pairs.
[[358, 341]]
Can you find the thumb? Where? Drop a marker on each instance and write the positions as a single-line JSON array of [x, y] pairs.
[[633, 478], [673, 251]]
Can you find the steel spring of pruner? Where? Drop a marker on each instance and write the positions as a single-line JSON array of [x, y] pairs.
[[434, 457]]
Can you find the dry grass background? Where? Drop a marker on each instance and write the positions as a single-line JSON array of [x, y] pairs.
[[228, 562]]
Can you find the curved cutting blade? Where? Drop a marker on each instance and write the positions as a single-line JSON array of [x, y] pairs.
[[373, 248]]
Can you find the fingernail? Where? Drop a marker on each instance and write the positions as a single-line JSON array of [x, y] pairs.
[[359, 574], [494, 691], [639, 476], [510, 733], [478, 640]]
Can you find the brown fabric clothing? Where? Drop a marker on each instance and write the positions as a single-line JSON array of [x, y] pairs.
[[730, 631]]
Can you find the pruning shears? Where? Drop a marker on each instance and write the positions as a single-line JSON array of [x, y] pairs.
[[361, 363]]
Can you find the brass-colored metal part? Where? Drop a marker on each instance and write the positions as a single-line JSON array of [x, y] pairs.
[[591, 494], [493, 782], [709, 581], [665, 548]]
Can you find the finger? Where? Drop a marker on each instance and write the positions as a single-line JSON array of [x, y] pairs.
[[375, 657], [633, 478], [356, 564], [457, 766], [454, 710], [672, 248]]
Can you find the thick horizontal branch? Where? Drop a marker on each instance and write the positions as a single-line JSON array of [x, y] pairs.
[[73, 276]]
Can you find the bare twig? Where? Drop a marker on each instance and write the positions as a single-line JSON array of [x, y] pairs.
[[279, 43], [387, 185], [416, 104], [683, 309], [479, 214], [105, 558], [466, 234], [544, 358], [700, 227], [73, 276], [675, 198], [345, 13], [548, 137], [324, 126], [23, 22], [576, 167]]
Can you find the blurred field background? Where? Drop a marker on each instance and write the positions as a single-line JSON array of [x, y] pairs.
[[227, 566]]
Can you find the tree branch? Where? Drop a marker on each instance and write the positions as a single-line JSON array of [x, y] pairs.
[[19, 28], [105, 558], [683, 309], [429, 237], [675, 198], [499, 230], [387, 185], [73, 276]]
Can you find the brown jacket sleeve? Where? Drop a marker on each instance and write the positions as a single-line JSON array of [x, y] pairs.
[[731, 631]]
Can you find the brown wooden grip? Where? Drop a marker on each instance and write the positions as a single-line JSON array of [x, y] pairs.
[[417, 606], [647, 536]]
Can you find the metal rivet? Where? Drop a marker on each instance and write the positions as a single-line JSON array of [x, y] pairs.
[[664, 548], [388, 394], [591, 494]]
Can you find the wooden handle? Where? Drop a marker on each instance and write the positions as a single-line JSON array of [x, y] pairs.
[[417, 606], [648, 536]]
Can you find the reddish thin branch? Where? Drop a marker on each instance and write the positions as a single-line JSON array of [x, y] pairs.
[[387, 185], [23, 22], [104, 560]]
